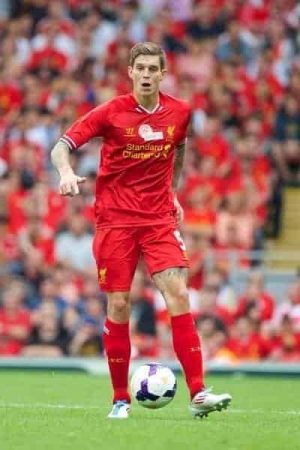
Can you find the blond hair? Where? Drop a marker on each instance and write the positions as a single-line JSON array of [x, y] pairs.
[[147, 48]]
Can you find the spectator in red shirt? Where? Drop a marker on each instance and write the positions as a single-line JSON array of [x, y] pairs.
[[198, 62], [260, 302], [199, 214], [289, 306], [217, 279], [198, 245], [245, 344], [10, 94], [14, 320], [208, 305], [236, 215], [9, 251], [36, 237], [286, 342], [212, 143]]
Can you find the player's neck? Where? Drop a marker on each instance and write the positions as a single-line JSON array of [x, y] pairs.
[[146, 101]]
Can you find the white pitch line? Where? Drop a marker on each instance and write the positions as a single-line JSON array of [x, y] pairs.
[[262, 411], [10, 405], [44, 406]]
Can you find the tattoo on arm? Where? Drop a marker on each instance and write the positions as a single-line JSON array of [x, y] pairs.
[[60, 157], [178, 163]]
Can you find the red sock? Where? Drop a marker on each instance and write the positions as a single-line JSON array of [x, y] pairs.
[[188, 350], [117, 347]]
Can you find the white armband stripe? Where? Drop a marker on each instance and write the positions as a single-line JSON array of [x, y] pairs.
[[69, 141]]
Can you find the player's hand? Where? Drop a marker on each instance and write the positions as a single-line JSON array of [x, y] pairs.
[[69, 184], [179, 211]]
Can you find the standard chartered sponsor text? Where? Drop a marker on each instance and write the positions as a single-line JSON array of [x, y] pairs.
[[145, 151]]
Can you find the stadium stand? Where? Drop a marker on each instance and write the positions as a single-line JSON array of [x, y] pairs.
[[238, 65]]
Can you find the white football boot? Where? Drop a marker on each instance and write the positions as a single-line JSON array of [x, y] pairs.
[[120, 410], [205, 402]]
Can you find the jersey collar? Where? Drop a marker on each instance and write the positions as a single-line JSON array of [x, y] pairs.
[[142, 109]]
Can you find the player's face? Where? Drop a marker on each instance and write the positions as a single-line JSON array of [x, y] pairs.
[[146, 75]]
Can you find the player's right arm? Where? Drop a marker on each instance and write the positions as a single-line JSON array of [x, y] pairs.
[[92, 124], [69, 181]]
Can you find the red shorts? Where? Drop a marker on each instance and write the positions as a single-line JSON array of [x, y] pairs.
[[117, 252]]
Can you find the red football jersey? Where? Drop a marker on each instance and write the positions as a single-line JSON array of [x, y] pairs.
[[133, 186]]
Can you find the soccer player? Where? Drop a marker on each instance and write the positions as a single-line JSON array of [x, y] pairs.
[[137, 213]]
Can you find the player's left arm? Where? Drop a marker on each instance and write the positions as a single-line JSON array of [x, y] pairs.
[[178, 164], [177, 169], [180, 148]]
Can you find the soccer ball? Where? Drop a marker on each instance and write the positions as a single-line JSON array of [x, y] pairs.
[[153, 385]]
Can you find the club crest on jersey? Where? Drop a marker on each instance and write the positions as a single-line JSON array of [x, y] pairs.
[[102, 275], [170, 131], [146, 132]]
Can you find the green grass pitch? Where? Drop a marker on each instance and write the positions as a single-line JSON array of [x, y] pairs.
[[62, 411]]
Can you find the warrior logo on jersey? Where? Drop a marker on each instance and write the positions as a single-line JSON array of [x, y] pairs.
[[129, 132], [146, 132]]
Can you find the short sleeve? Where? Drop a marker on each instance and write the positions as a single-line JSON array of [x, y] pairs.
[[93, 124]]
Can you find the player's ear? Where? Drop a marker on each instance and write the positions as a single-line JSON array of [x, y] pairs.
[[130, 72], [163, 73]]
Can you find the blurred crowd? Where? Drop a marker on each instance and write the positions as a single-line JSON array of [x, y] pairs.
[[238, 64]]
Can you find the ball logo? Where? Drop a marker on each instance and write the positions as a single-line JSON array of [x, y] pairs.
[[146, 132], [153, 385]]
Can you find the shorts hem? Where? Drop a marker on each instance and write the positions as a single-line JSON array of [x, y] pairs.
[[134, 225], [169, 266], [116, 289]]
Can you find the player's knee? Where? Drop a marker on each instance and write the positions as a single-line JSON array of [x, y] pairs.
[[118, 304], [182, 297]]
